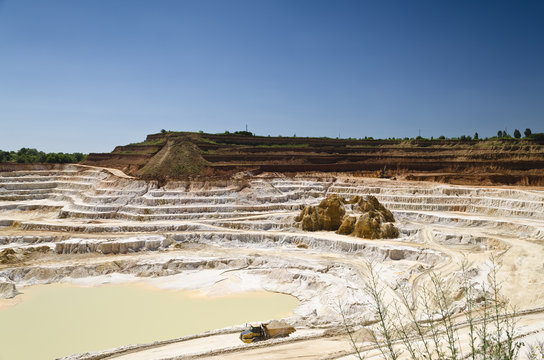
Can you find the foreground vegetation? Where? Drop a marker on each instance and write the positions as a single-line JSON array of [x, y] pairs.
[[31, 156], [427, 326]]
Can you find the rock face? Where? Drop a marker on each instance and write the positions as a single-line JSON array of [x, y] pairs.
[[7, 290], [8, 256], [371, 226], [112, 246], [327, 215], [367, 218], [348, 224], [370, 204]]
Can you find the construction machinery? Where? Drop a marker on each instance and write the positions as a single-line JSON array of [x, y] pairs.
[[383, 174], [260, 332]]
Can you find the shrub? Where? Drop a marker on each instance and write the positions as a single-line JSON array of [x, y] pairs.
[[243, 133], [490, 322], [538, 137]]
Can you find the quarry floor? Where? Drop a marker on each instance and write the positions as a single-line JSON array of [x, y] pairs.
[[91, 226]]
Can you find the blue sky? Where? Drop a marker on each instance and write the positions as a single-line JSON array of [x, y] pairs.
[[88, 75]]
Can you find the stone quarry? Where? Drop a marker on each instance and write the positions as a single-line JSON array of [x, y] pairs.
[[309, 235]]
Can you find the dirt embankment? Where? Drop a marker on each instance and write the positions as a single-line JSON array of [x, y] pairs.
[[180, 155]]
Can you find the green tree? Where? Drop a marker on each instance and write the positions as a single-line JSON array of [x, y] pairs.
[[4, 156], [31, 156], [79, 156], [527, 132], [500, 134], [517, 134], [476, 137]]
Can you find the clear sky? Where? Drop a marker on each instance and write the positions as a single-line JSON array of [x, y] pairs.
[[85, 76]]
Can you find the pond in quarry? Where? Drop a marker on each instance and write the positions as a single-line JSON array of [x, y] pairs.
[[49, 321]]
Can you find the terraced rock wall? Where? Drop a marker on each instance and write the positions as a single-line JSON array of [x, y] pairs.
[[490, 162], [67, 223]]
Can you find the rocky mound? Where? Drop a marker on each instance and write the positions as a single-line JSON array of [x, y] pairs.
[[177, 158], [365, 217], [328, 215], [7, 290], [8, 256], [14, 256]]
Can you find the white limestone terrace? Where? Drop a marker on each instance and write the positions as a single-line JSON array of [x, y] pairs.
[[85, 224]]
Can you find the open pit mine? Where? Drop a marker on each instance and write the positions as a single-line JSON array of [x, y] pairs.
[[323, 238]]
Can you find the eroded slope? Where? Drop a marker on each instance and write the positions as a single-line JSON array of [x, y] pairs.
[[183, 154]]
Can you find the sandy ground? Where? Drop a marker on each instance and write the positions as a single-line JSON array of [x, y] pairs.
[[220, 344], [335, 347]]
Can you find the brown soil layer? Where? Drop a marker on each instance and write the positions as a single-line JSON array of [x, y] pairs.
[[182, 154]]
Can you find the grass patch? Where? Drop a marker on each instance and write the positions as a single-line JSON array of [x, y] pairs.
[[149, 142]]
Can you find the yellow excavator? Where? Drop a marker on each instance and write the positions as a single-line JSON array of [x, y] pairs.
[[260, 332]]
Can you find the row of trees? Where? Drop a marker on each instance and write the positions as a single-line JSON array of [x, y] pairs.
[[28, 156], [501, 134], [517, 134]]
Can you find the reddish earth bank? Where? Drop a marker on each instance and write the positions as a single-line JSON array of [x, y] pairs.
[[182, 154]]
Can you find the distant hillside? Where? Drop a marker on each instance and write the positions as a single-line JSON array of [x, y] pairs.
[[182, 154]]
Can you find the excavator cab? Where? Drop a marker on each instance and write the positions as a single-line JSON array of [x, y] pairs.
[[254, 333]]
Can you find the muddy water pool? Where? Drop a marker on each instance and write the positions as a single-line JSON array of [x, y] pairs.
[[50, 321]]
